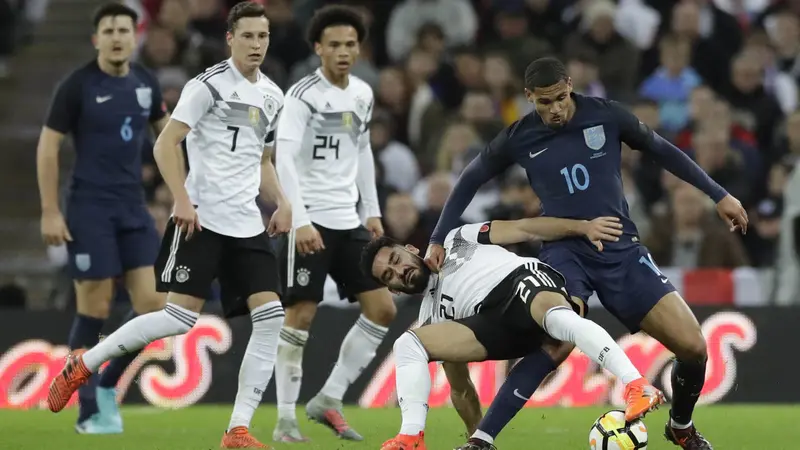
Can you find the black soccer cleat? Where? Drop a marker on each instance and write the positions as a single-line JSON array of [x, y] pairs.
[[476, 444], [689, 438]]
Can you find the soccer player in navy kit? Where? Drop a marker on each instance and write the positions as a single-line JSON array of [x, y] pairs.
[[570, 148], [108, 106]]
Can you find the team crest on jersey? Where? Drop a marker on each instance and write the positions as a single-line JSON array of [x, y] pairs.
[[361, 107], [595, 137], [83, 261], [254, 116], [347, 119], [270, 105], [144, 95]]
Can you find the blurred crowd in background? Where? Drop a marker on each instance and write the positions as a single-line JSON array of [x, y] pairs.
[[717, 78]]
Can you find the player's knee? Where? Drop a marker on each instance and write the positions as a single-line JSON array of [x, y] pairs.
[[93, 298], [409, 347], [300, 315], [693, 348], [545, 301], [379, 308]]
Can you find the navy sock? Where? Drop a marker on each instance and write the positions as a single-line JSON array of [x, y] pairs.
[[85, 333], [521, 383], [688, 379], [114, 370]]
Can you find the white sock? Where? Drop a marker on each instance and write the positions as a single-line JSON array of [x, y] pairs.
[[413, 382], [357, 351], [258, 362], [289, 370], [565, 325], [478, 434], [679, 426], [173, 320]]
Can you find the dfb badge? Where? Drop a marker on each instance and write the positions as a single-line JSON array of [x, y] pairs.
[[182, 274], [361, 107], [144, 95], [270, 105], [595, 137], [303, 277]]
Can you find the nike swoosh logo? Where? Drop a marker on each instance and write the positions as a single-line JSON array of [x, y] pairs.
[[516, 391], [664, 280], [534, 155], [103, 99]]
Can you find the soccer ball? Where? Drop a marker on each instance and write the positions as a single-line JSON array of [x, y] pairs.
[[610, 432]]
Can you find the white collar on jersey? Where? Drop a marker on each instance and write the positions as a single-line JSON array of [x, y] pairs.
[[239, 75], [328, 83]]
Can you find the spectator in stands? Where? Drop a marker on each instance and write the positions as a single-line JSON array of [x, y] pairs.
[[544, 21], [172, 79], [456, 18], [746, 94], [426, 113], [617, 58], [582, 69], [505, 89], [691, 236], [785, 38], [781, 85], [160, 49], [672, 83], [478, 109], [788, 144], [714, 155], [402, 221], [393, 96], [457, 138], [287, 42], [512, 36], [404, 172], [762, 241], [465, 72], [787, 290]]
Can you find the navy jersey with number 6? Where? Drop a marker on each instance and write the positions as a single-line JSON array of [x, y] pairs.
[[109, 119], [575, 171]]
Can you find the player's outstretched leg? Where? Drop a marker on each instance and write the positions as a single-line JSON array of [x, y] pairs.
[[256, 370], [85, 334], [356, 353], [134, 335], [552, 312], [672, 323]]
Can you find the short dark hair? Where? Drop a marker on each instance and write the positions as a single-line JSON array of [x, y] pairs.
[[242, 10], [334, 15], [369, 253], [545, 72], [113, 10]]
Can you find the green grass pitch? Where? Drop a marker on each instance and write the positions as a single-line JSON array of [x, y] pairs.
[[734, 427]]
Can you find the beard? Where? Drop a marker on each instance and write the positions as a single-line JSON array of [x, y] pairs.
[[418, 282]]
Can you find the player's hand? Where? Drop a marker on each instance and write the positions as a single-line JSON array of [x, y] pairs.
[[309, 240], [730, 209], [185, 218], [434, 257], [375, 227], [603, 229], [54, 229], [281, 221]]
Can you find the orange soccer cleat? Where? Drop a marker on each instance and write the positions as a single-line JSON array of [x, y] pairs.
[[405, 442], [74, 374], [240, 437], [641, 398]]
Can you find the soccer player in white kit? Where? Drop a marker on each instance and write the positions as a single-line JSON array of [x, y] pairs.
[[227, 116], [325, 164], [489, 304]]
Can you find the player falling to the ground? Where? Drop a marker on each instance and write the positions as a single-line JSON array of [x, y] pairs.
[[487, 303], [108, 106], [570, 147], [325, 161], [227, 116]]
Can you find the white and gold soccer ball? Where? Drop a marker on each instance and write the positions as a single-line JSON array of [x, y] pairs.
[[610, 432]]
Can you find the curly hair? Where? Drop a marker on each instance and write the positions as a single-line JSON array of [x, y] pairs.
[[334, 15]]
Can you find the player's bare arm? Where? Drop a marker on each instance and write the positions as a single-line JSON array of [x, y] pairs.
[[463, 394], [281, 221], [169, 159], [53, 227], [639, 137]]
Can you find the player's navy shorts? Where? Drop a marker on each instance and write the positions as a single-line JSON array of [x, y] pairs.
[[627, 281], [109, 238]]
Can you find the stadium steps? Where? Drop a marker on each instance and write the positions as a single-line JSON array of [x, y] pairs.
[[60, 44]]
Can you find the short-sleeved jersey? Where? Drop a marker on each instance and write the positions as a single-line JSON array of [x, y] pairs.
[[231, 121], [472, 268], [109, 119], [575, 170], [332, 125]]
